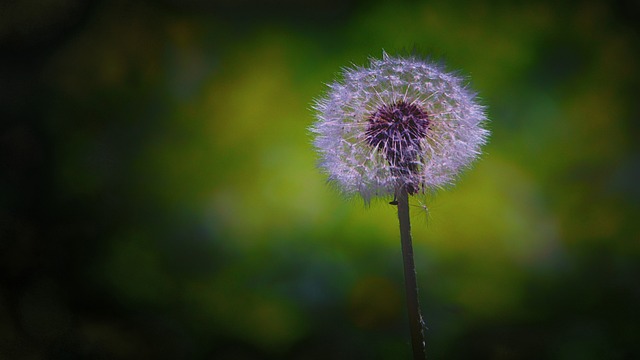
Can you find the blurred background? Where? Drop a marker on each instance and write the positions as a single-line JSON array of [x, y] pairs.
[[159, 197]]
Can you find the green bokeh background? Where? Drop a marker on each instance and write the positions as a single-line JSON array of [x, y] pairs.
[[159, 197]]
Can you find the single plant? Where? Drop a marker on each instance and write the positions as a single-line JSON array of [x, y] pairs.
[[402, 126]]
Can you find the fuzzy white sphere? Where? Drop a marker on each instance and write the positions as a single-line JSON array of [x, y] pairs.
[[402, 121]]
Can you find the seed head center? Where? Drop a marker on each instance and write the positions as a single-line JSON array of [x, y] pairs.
[[397, 130]]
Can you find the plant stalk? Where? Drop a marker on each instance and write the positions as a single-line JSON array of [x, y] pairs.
[[410, 281]]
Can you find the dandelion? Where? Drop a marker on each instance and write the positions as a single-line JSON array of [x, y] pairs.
[[400, 122], [402, 126]]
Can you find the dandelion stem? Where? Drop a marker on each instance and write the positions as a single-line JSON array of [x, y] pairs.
[[411, 284]]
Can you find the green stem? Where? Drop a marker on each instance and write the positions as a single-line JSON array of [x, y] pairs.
[[411, 284]]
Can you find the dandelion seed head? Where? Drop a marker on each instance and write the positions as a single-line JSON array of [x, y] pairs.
[[401, 121]]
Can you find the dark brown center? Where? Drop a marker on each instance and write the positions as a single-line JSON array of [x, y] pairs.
[[397, 130]]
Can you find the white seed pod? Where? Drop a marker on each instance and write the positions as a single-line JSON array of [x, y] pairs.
[[402, 121]]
